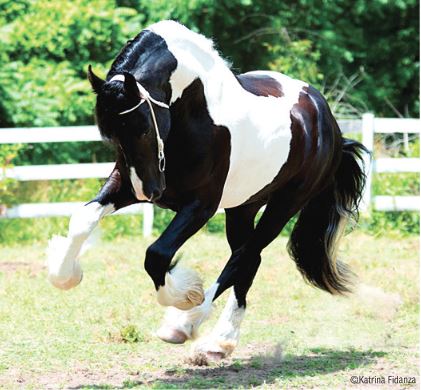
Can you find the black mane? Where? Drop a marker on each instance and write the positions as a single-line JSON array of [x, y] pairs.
[[147, 58]]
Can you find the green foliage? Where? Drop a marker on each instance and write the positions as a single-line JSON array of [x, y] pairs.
[[22, 230], [391, 223], [46, 48], [298, 59], [401, 223], [216, 224], [396, 184], [362, 55], [162, 218], [377, 40], [130, 334], [43, 93], [8, 187], [64, 153]]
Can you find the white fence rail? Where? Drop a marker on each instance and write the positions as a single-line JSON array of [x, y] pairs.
[[369, 125], [60, 172]]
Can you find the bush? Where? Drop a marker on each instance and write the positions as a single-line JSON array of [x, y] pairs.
[[45, 48], [8, 187], [130, 334]]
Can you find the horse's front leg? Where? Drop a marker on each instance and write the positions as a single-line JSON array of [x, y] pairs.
[[180, 325], [64, 270], [177, 286]]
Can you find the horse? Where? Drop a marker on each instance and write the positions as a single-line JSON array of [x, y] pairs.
[[192, 136]]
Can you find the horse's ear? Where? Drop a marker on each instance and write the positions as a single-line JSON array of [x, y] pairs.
[[130, 85], [95, 81]]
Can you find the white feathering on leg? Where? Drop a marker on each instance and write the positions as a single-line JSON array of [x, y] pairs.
[[63, 271], [224, 337], [183, 289], [186, 322]]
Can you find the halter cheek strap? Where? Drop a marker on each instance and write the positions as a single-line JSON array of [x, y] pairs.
[[145, 96]]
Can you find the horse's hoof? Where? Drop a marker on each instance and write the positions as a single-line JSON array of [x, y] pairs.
[[171, 335], [63, 273], [66, 284], [215, 350], [216, 356]]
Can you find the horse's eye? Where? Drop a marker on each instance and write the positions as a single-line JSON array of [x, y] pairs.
[[146, 131]]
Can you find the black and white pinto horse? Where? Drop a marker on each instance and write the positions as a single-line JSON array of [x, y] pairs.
[[192, 136]]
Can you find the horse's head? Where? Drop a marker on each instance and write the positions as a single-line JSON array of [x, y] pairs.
[[137, 124]]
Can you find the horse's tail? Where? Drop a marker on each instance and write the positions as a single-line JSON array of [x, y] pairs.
[[321, 222]]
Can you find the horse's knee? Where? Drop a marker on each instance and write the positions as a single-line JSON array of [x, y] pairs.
[[157, 261], [85, 219]]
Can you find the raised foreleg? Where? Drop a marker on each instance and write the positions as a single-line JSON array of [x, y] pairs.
[[64, 270], [177, 286]]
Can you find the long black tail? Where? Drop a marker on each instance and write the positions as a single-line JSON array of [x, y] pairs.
[[321, 222]]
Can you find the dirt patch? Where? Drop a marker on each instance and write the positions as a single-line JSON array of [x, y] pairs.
[[253, 365], [18, 266], [374, 300]]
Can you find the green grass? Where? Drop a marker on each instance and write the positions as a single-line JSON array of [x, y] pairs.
[[100, 334]]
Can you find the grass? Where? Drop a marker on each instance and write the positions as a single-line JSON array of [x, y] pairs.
[[101, 334]]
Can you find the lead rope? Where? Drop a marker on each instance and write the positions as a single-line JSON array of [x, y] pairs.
[[145, 96]]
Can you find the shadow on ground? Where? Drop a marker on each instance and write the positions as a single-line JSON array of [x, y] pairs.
[[253, 371]]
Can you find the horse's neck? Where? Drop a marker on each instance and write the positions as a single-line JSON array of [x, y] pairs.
[[193, 62]]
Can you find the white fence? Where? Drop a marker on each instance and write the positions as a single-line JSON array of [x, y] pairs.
[[369, 125], [61, 171]]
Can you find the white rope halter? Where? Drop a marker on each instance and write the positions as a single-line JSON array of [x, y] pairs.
[[145, 96]]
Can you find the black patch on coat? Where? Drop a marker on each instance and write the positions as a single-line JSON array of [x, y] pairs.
[[260, 85]]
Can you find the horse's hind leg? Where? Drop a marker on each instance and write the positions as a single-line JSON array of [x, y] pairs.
[[64, 270], [180, 325], [241, 270]]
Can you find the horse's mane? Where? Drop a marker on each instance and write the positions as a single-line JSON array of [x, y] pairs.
[[129, 54], [171, 31]]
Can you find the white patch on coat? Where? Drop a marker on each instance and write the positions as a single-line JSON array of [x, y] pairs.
[[260, 126], [225, 335], [137, 185], [64, 270], [183, 289], [188, 321]]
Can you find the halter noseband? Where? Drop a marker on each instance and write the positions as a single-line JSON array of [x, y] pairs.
[[145, 96]]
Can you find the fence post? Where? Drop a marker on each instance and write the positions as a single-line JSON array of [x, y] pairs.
[[368, 141], [147, 219]]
